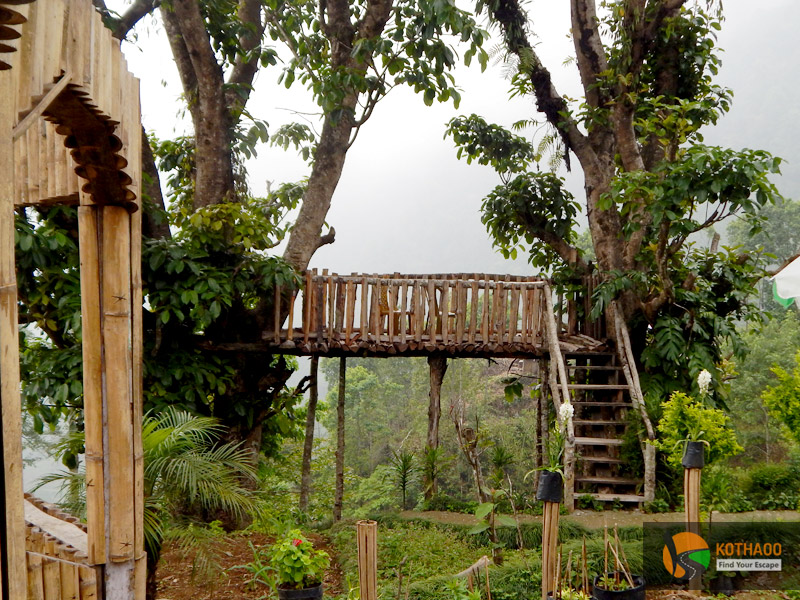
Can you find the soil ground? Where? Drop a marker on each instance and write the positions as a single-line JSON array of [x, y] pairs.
[[176, 580]]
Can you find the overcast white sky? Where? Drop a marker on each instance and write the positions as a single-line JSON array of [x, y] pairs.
[[406, 204]]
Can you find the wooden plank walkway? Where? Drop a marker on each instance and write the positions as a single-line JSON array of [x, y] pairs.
[[462, 315]]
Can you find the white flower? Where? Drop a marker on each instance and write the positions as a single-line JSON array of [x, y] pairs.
[[703, 381], [565, 412]]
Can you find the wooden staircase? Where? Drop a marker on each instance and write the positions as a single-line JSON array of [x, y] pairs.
[[602, 401]]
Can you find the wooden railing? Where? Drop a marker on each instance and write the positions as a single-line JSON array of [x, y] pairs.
[[57, 563], [457, 313]]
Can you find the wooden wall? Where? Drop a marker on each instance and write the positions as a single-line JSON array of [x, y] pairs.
[[70, 132]]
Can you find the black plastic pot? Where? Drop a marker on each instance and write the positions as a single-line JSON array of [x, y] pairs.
[[311, 593], [551, 487], [693, 455], [634, 593]]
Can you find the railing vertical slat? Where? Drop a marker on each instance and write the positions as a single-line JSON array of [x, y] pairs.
[[350, 310], [364, 327], [473, 316], [486, 310], [307, 307], [340, 302], [419, 310], [319, 309], [392, 297], [403, 312], [290, 322], [375, 316], [432, 311], [330, 289], [445, 312], [514, 313]]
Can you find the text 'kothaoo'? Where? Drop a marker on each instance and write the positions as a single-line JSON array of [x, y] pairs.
[[745, 549]]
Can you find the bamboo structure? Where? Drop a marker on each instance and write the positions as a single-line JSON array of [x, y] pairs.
[[458, 315], [549, 548], [70, 133], [367, 534], [58, 566], [691, 499]]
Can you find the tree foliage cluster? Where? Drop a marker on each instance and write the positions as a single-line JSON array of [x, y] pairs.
[[647, 71]]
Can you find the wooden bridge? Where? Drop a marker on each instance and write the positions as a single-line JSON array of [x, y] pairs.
[[470, 315], [462, 315]]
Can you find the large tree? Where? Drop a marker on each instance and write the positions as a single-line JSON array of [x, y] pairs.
[[209, 273], [646, 68]]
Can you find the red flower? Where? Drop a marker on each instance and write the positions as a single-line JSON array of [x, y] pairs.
[[296, 542]]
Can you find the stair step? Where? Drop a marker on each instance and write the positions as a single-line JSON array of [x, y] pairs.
[[612, 497], [602, 459], [592, 441], [609, 480], [597, 386], [590, 422], [591, 403]]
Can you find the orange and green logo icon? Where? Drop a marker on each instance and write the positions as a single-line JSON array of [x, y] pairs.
[[685, 555]]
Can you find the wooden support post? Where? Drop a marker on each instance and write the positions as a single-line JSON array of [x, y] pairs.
[[92, 381], [549, 547], [437, 364], [13, 580], [691, 499], [367, 532], [339, 492], [308, 445]]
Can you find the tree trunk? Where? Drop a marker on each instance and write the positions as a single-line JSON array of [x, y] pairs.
[[305, 477], [438, 367], [339, 494], [151, 585]]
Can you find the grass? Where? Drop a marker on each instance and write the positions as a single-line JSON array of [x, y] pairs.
[[432, 553]]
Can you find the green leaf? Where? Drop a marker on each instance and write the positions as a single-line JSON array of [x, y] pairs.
[[483, 510], [479, 528]]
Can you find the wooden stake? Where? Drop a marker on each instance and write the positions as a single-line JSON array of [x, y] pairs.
[[584, 574], [367, 533]]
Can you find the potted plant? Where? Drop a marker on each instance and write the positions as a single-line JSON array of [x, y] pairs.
[[299, 567], [620, 583], [551, 480]]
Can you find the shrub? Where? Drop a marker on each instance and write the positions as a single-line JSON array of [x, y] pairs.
[[449, 504], [685, 418]]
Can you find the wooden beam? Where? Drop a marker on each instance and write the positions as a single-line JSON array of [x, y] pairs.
[[43, 104]]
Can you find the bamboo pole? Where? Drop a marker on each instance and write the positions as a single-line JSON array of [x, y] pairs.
[[34, 564], [691, 496], [51, 572], [549, 547], [13, 571], [116, 316], [367, 532], [92, 379]]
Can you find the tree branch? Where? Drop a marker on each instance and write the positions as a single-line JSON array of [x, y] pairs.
[[245, 66], [135, 13], [591, 56], [513, 22]]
